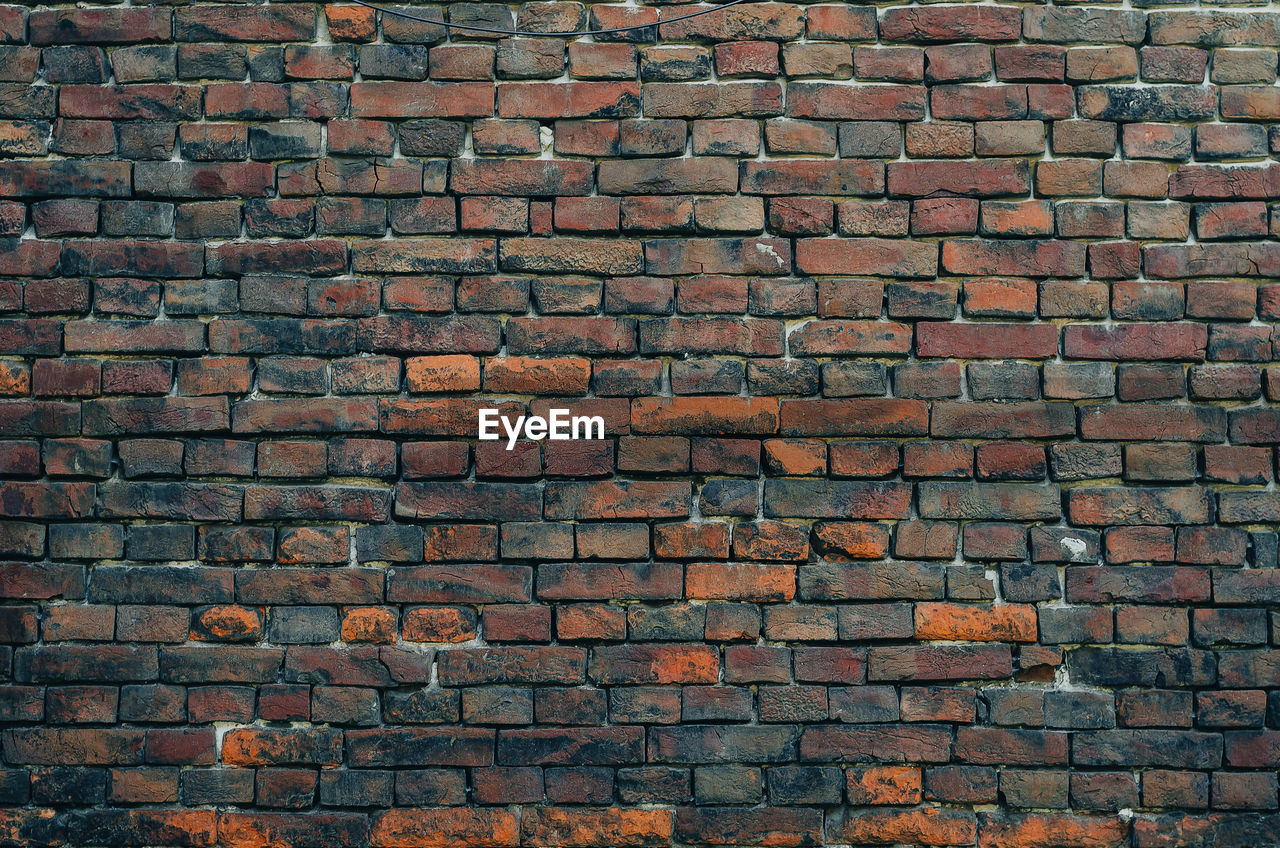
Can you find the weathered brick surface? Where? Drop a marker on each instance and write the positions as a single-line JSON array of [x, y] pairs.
[[936, 347]]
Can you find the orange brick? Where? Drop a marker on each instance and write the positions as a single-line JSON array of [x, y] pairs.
[[453, 373], [883, 785], [973, 623]]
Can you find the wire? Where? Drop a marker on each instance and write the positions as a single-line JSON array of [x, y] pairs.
[[574, 34]]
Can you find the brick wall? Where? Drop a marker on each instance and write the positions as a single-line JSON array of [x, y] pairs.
[[935, 346]]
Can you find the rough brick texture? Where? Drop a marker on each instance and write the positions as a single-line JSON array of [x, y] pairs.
[[936, 350]]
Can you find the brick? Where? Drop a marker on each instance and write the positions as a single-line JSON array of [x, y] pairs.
[[1014, 258], [421, 100], [1149, 506], [447, 826], [866, 256], [979, 179], [1134, 341], [586, 827], [568, 100]]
